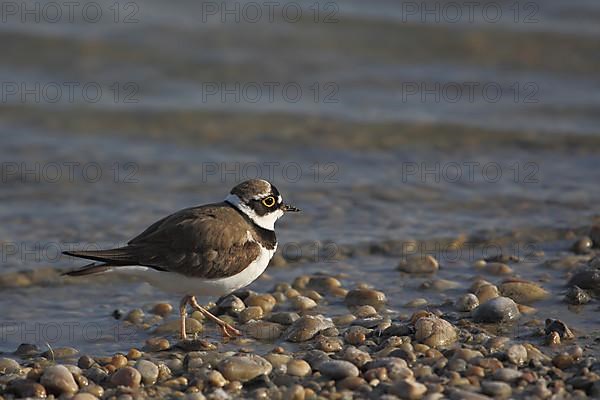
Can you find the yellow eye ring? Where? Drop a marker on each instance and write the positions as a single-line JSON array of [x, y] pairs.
[[269, 201]]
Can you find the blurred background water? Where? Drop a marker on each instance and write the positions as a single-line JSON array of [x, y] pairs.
[[381, 120]]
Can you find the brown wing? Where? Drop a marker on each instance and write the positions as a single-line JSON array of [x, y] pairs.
[[209, 241]]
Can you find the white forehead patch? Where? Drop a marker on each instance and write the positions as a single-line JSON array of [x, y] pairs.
[[265, 221]]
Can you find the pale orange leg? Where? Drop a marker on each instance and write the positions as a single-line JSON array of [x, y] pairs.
[[226, 329], [183, 316]]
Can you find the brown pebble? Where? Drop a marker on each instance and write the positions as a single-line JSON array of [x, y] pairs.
[[157, 344], [162, 309], [126, 376], [134, 354], [562, 361], [264, 301], [119, 361]]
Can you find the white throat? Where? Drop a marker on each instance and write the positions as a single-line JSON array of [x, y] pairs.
[[265, 221]]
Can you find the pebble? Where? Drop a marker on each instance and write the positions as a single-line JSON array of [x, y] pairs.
[[127, 376], [338, 369], [244, 367], [361, 297], [57, 379], [230, 304], [555, 325], [499, 390], [9, 366], [583, 245], [364, 312], [284, 317], [148, 370], [157, 344], [356, 356], [162, 309], [298, 367], [498, 309], [323, 283], [435, 332], [303, 303], [264, 301], [577, 296], [523, 292], [250, 313], [507, 374], [517, 354], [588, 279], [25, 388], [84, 396], [307, 327], [419, 265], [486, 292], [467, 302], [329, 344], [60, 353], [135, 316], [409, 389], [496, 268], [263, 330]]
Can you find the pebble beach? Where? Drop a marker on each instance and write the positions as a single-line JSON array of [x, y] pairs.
[[317, 337]]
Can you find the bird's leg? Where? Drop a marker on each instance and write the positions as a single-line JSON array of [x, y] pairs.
[[183, 314], [226, 329]]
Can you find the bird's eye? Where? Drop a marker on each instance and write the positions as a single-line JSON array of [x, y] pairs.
[[269, 201]]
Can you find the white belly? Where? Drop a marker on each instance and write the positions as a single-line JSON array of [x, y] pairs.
[[173, 282]]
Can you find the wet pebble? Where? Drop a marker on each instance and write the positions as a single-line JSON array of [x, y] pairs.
[[588, 279], [9, 366], [467, 302], [361, 297], [307, 327], [555, 325], [498, 309], [577, 296], [284, 317], [263, 330], [148, 370], [298, 368], [496, 268], [435, 332], [250, 313], [517, 354], [230, 304], [338, 369], [25, 388], [419, 265], [583, 245], [127, 376], [244, 367], [57, 379], [486, 292], [523, 292], [303, 303], [264, 301], [162, 309]]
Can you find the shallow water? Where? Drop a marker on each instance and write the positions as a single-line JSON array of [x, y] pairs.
[[366, 159]]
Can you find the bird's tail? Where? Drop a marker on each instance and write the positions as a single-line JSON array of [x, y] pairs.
[[89, 269]]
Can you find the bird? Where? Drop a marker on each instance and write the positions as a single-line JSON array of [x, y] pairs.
[[213, 249]]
